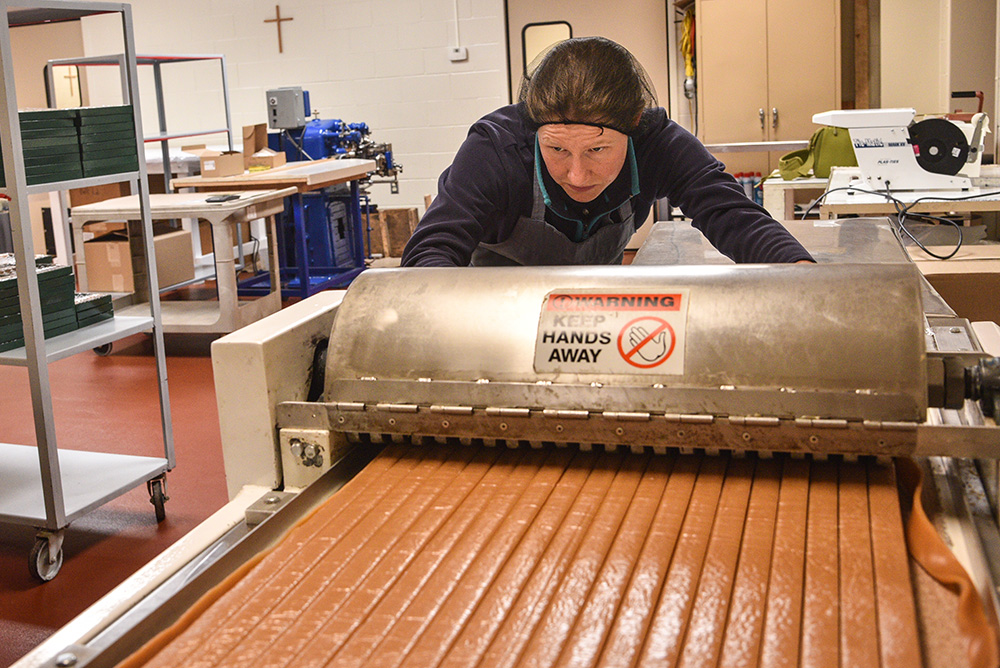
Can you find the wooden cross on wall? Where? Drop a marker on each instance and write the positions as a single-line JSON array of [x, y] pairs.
[[72, 80], [277, 21]]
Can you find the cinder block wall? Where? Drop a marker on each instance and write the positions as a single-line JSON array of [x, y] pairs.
[[382, 62]]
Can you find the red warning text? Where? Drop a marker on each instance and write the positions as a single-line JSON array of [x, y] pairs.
[[613, 302]]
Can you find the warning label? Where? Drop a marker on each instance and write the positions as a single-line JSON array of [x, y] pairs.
[[609, 333]]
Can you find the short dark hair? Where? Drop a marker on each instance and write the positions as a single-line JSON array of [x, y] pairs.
[[588, 80]]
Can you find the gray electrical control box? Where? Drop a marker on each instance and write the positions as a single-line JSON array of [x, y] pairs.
[[286, 108]]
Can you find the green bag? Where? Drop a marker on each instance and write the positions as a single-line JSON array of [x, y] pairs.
[[829, 147]]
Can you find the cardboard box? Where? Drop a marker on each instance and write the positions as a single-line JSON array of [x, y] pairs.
[[226, 163], [969, 282], [254, 140], [266, 159], [109, 261], [91, 194], [91, 230]]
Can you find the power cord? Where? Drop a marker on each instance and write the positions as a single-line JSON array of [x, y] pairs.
[[255, 253], [903, 213], [289, 137]]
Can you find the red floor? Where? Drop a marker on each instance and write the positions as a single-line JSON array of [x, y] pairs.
[[109, 404]]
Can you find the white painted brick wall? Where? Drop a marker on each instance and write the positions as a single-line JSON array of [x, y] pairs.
[[382, 62]]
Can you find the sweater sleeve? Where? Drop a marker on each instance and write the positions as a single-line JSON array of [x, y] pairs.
[[470, 205], [691, 178]]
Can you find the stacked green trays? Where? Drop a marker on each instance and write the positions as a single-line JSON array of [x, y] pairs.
[[65, 144], [92, 308], [56, 286], [51, 144], [107, 140]]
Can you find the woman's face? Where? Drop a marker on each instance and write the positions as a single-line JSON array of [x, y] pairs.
[[582, 159]]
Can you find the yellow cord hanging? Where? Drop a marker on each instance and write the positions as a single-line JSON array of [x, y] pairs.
[[687, 43]]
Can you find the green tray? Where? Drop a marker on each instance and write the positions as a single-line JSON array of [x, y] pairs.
[[65, 329], [105, 153], [54, 177], [60, 159], [99, 121], [34, 146], [12, 345], [106, 110], [84, 322], [109, 166], [47, 114], [110, 135], [34, 133]]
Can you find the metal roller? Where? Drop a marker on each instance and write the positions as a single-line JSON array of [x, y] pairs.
[[779, 341]]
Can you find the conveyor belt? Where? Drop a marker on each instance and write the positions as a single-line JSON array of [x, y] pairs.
[[463, 556]]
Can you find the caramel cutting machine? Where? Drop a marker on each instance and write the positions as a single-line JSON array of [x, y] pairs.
[[840, 359]]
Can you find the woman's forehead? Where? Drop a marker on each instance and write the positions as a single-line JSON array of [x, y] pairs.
[[578, 133]]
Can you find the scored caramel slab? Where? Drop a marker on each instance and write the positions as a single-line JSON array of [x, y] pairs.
[[461, 556]]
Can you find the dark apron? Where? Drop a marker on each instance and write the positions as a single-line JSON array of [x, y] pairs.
[[534, 242]]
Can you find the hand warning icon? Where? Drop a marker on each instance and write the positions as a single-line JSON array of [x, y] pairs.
[[646, 342]]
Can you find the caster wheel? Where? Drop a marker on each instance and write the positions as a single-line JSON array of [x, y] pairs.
[[158, 498], [103, 351], [39, 563]]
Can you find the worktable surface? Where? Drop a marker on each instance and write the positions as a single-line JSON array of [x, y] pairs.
[[305, 176], [175, 205]]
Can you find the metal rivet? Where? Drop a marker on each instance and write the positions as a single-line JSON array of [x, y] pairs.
[[503, 426], [559, 428], [814, 439], [392, 421], [272, 500], [746, 436], [680, 433], [341, 419], [66, 659], [619, 431], [445, 424]]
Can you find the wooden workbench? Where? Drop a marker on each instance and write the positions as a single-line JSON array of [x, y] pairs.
[[216, 317], [298, 278], [303, 176]]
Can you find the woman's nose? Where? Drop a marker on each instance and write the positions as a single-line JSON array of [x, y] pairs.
[[576, 173]]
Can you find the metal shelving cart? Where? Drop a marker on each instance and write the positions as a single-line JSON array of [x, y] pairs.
[[163, 137], [156, 62], [43, 486]]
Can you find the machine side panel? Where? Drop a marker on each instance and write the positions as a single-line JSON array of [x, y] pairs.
[[255, 369]]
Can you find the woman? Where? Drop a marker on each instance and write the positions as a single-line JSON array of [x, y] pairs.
[[563, 176]]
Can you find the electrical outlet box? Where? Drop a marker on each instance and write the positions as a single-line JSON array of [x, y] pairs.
[[457, 54], [287, 108]]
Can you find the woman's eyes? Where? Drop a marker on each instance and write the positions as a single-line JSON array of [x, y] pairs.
[[595, 149]]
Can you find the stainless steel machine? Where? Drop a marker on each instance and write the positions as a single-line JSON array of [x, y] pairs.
[[845, 359]]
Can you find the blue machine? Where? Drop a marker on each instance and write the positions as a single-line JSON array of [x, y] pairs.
[[335, 138], [321, 237]]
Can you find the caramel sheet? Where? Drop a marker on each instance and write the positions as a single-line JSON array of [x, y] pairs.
[[461, 556]]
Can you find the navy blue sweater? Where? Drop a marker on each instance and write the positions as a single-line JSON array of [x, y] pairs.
[[489, 186]]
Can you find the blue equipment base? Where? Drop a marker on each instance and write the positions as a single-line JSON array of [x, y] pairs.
[[320, 244]]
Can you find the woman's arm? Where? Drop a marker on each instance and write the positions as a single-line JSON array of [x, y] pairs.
[[470, 206], [695, 181]]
